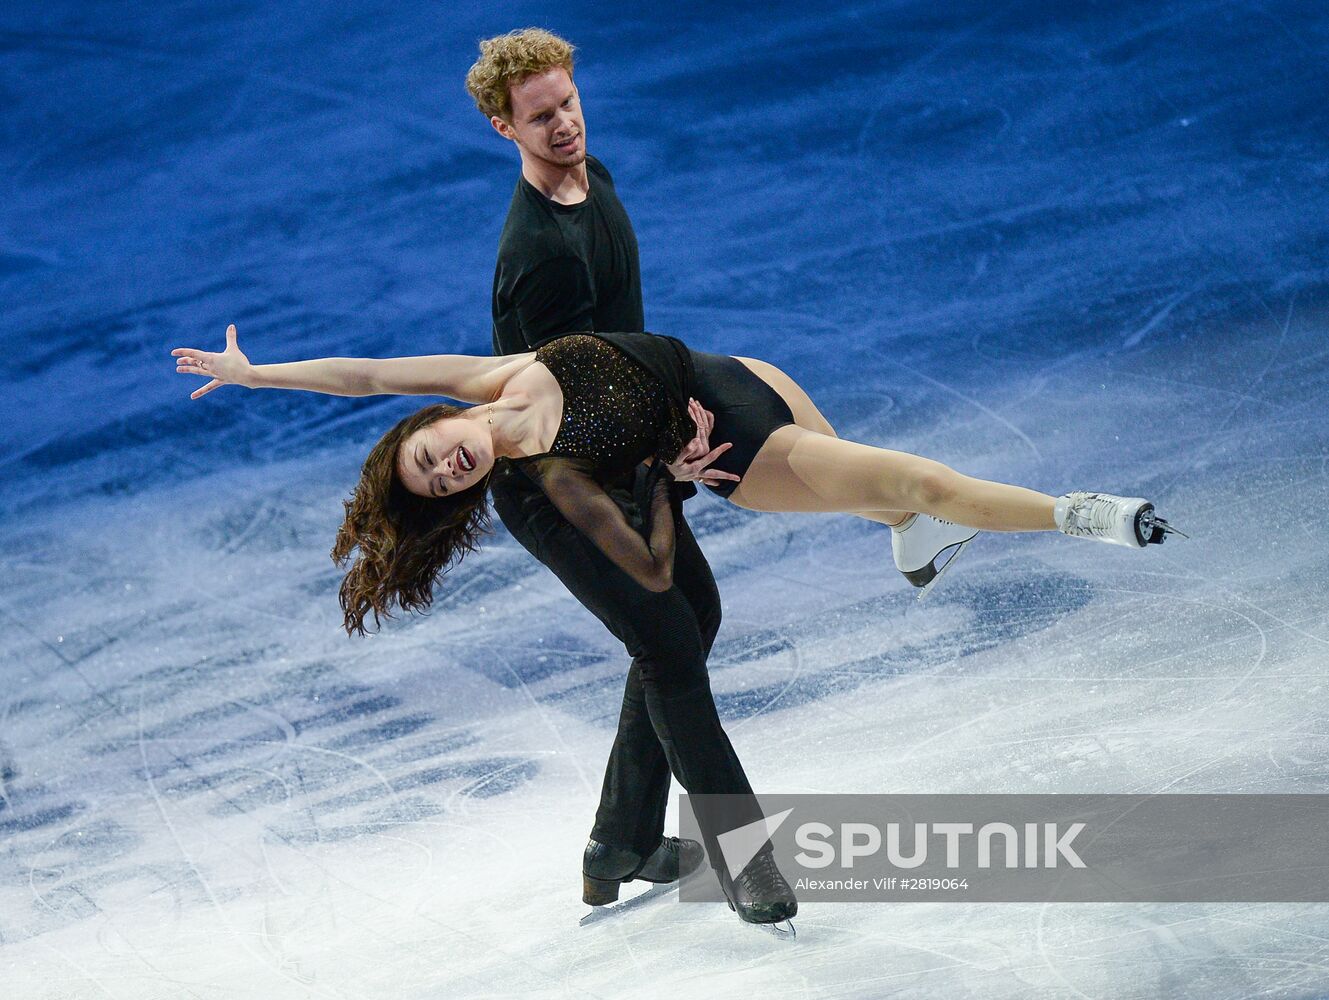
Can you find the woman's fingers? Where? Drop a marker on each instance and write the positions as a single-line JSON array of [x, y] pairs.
[[189, 362], [703, 417], [716, 452], [217, 367], [703, 422], [697, 454], [698, 468], [697, 446], [719, 476], [713, 454], [194, 355]]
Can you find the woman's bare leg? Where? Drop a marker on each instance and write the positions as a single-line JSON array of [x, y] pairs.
[[805, 467], [807, 416], [801, 470]]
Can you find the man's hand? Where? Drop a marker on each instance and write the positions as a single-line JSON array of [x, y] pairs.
[[691, 463]]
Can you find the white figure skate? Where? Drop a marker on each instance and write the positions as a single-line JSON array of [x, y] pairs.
[[1128, 521], [920, 541]]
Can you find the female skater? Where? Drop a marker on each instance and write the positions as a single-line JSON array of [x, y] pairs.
[[579, 414]]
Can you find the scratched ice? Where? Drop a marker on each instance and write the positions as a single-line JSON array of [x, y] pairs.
[[1071, 246]]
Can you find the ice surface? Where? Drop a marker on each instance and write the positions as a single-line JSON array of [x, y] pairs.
[[1072, 246]]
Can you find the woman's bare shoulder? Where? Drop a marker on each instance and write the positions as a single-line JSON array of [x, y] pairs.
[[522, 373]]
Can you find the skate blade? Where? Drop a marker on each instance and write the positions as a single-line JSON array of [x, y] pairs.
[[609, 910], [1162, 529], [931, 584], [784, 929]]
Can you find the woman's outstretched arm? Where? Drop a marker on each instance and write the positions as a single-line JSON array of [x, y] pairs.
[[458, 376]]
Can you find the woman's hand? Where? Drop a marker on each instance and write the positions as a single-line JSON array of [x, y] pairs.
[[691, 463], [230, 367]]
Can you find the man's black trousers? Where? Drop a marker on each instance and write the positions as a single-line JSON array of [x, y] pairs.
[[668, 721]]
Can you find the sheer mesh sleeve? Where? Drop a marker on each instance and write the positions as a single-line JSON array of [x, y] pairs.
[[593, 512]]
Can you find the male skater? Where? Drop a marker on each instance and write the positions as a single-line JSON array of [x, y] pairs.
[[567, 262]]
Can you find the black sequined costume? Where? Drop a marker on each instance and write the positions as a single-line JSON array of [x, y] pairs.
[[616, 414], [625, 401]]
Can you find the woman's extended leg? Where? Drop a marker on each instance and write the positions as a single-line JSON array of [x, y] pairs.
[[807, 416], [805, 467], [802, 470]]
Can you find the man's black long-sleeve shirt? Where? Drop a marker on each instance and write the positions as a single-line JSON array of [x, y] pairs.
[[565, 268]]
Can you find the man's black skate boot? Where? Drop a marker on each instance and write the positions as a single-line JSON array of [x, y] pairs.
[[760, 894], [604, 868]]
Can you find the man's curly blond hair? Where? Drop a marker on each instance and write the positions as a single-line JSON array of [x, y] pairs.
[[507, 60]]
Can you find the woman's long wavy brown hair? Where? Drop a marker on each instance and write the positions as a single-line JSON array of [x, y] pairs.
[[406, 542]]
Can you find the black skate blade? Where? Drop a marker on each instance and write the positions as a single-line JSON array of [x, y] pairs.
[[780, 928], [940, 571], [1161, 530], [623, 906]]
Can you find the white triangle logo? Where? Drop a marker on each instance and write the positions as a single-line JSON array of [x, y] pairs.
[[741, 845]]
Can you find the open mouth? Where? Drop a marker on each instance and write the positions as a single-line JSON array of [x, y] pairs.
[[566, 144], [465, 461]]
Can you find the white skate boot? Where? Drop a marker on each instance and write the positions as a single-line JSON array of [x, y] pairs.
[[920, 540], [1128, 521]]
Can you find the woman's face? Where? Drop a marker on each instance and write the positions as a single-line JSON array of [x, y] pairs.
[[445, 457]]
